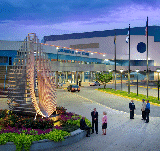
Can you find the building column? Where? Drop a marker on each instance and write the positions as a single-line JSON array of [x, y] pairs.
[[66, 76], [76, 77], [63, 77], [60, 77], [83, 77], [56, 79], [91, 76], [73, 77]]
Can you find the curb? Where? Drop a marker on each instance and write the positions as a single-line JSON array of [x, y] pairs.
[[46, 144], [156, 104]]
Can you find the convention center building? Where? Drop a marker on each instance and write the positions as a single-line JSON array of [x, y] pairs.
[[79, 56]]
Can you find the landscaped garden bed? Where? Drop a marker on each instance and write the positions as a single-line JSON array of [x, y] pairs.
[[24, 130], [131, 95]]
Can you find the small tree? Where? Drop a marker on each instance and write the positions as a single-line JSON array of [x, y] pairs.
[[104, 78]]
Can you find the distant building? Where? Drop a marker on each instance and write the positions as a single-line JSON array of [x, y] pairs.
[[103, 42], [82, 55]]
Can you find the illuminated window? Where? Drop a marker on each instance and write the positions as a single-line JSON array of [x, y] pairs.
[[53, 59]]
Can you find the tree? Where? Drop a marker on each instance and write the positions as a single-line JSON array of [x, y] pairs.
[[104, 78]]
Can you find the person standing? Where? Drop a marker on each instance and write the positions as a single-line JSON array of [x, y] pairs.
[[104, 123], [147, 111], [143, 109], [132, 108], [83, 126], [94, 115]]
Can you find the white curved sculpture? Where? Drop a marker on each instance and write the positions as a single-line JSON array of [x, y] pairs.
[[34, 70]]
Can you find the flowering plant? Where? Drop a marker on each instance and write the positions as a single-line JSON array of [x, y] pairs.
[[27, 131], [61, 110]]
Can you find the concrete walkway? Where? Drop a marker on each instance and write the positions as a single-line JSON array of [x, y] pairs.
[[123, 134]]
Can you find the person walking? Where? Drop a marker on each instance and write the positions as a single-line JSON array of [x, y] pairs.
[[94, 115], [147, 111], [143, 109], [132, 108], [104, 123], [83, 126]]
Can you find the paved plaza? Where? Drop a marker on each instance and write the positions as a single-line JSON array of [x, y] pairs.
[[123, 134]]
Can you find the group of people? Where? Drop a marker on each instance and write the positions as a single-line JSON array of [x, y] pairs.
[[145, 116], [145, 110], [94, 115]]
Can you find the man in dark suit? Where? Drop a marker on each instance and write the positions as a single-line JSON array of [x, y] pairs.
[[94, 115], [83, 126], [132, 108]]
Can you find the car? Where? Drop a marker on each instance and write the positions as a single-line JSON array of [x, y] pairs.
[[73, 88], [96, 83]]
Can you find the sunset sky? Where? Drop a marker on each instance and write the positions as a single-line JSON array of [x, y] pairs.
[[56, 17]]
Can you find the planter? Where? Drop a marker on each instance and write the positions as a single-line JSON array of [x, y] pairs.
[[46, 144]]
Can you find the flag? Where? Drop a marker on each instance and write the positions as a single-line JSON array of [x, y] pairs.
[[146, 30], [127, 38], [115, 39]]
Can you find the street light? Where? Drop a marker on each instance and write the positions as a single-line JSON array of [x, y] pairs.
[[121, 70], [158, 70], [57, 52], [109, 70], [137, 70]]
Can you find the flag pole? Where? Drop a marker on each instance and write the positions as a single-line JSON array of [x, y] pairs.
[[129, 65], [147, 58], [115, 59]]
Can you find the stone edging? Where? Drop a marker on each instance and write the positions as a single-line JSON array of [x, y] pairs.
[[46, 144]]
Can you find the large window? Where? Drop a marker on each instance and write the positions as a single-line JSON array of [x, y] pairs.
[[3, 59]]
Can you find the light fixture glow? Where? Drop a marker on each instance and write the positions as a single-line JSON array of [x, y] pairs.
[[121, 70], [158, 69], [109, 70]]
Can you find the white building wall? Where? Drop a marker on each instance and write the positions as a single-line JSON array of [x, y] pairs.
[[106, 45], [10, 45]]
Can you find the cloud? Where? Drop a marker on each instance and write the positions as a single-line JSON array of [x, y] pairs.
[[151, 3], [62, 17]]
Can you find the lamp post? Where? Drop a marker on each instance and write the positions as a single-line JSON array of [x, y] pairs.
[[57, 52], [121, 70], [158, 70], [137, 70], [110, 71]]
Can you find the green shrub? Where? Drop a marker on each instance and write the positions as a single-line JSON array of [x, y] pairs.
[[77, 122], [21, 140], [24, 139]]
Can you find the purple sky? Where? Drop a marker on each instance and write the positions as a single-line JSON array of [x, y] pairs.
[[56, 17]]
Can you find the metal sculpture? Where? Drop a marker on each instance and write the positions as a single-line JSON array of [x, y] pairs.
[[31, 74]]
